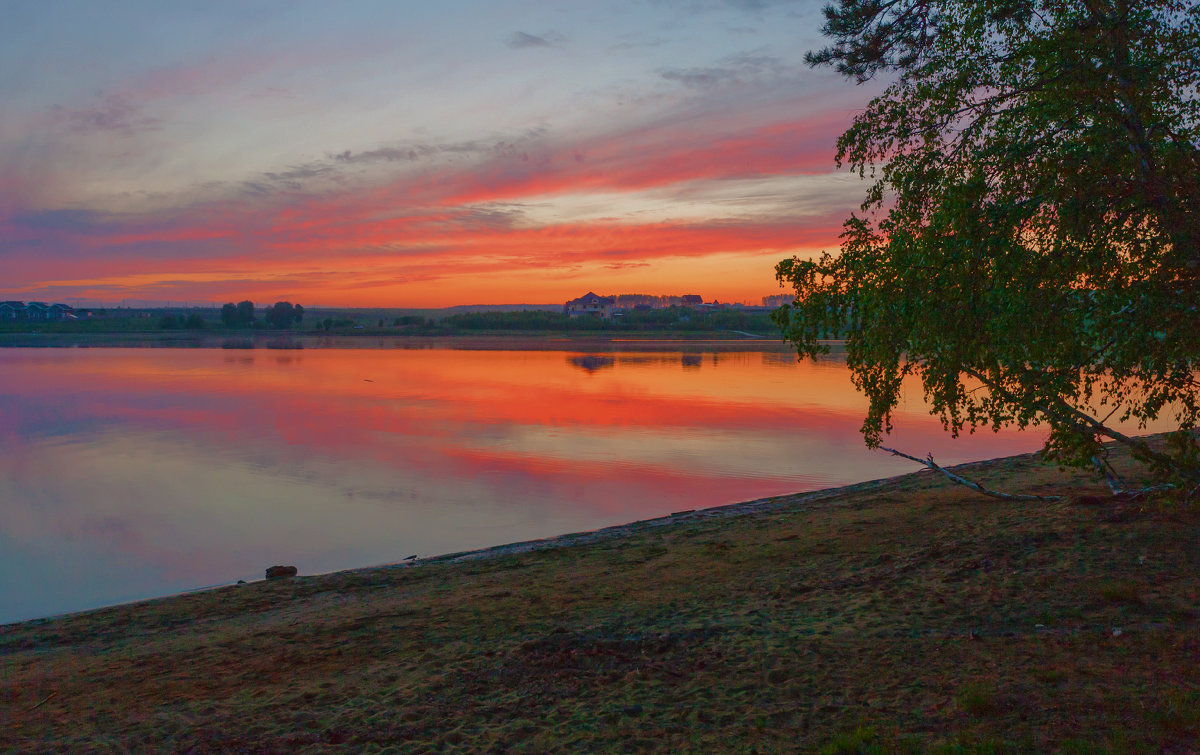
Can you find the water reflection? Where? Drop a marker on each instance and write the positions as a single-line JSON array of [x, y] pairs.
[[591, 362], [128, 473]]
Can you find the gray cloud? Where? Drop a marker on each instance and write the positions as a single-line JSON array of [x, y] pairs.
[[387, 154], [634, 43], [255, 188], [733, 69], [74, 221], [517, 146], [294, 177], [519, 40], [113, 114]]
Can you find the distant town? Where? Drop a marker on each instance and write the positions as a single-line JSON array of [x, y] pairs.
[[36, 310], [616, 306], [605, 307], [238, 325]]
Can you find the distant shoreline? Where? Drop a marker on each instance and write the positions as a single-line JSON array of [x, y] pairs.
[[294, 340]]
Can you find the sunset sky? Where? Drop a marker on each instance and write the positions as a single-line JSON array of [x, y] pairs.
[[407, 154]]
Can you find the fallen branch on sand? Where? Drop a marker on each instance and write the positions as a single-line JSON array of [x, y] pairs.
[[45, 700], [929, 462]]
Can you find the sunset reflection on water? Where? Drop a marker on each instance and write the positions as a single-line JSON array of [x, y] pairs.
[[128, 473]]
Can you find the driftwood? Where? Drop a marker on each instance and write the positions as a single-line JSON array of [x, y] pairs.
[[1103, 468], [929, 462], [45, 700], [1117, 485]]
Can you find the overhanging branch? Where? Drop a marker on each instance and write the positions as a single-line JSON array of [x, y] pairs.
[[929, 462]]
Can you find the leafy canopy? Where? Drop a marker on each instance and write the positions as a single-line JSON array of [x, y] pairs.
[[284, 314], [237, 315], [1028, 245]]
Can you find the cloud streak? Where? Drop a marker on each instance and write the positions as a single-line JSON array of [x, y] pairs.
[[113, 114], [520, 40]]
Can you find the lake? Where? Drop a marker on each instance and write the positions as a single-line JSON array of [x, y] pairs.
[[133, 473]]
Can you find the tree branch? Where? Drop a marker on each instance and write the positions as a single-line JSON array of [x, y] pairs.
[[45, 700], [1066, 414], [929, 462]]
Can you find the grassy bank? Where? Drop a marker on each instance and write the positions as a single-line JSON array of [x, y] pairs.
[[909, 615]]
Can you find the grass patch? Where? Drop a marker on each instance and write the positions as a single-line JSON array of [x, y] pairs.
[[1050, 675], [1119, 591], [976, 699]]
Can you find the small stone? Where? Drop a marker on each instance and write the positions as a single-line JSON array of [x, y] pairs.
[[279, 572]]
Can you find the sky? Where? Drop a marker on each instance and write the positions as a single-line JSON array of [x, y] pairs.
[[390, 153]]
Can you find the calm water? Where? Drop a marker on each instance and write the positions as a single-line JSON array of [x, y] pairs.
[[131, 473]]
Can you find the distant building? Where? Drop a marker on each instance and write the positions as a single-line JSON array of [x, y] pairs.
[[777, 300], [692, 300], [590, 304], [35, 310], [56, 312]]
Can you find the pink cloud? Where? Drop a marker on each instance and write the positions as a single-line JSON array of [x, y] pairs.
[[422, 222]]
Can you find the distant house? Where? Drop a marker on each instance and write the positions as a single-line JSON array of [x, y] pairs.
[[590, 304], [37, 310], [692, 300], [58, 312]]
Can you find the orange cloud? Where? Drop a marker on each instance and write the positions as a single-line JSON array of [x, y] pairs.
[[375, 244]]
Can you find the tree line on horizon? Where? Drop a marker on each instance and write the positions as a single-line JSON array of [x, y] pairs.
[[284, 315], [280, 315]]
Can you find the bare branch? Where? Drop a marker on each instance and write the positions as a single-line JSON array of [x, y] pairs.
[[45, 700], [929, 462]]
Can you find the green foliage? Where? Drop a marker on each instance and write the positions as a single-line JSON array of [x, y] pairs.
[[1028, 244], [976, 699], [521, 320], [237, 315], [283, 314], [861, 741], [665, 318], [1119, 591], [1179, 714], [192, 321]]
